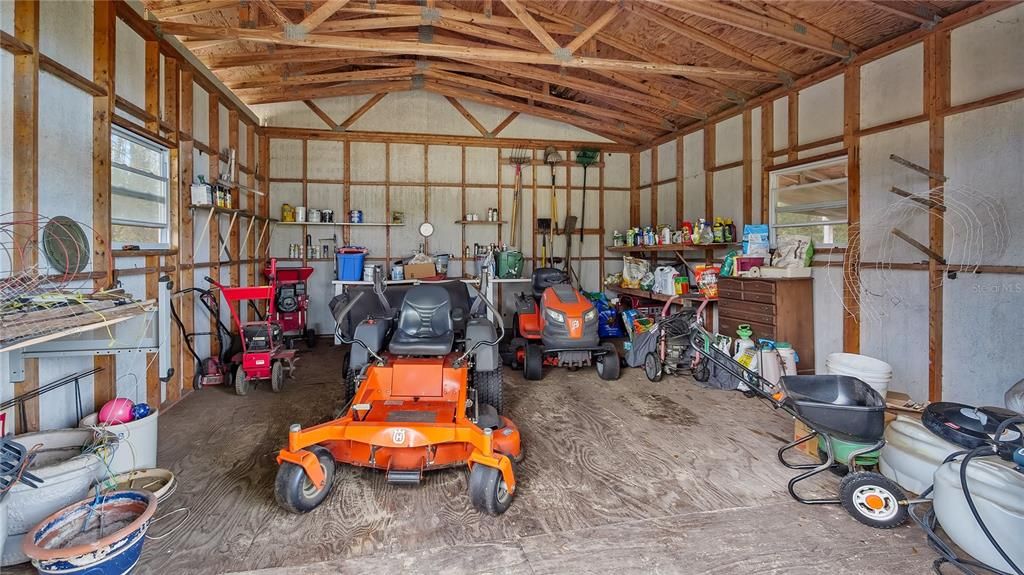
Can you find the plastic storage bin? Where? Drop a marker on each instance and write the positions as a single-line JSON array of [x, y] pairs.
[[350, 265]]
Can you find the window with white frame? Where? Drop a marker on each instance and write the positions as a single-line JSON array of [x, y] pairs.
[[139, 184], [810, 200]]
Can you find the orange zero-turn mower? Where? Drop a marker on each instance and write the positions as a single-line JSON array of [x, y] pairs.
[[424, 399], [557, 326]]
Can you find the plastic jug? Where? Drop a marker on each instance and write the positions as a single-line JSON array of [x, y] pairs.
[[789, 358]]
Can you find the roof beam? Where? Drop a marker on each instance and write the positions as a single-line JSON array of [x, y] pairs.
[[601, 128], [273, 12], [595, 27], [362, 110], [504, 124], [321, 14], [464, 53], [276, 95], [533, 26], [676, 26], [469, 117], [917, 14], [329, 78], [371, 24], [321, 114], [223, 61], [763, 25], [189, 8]]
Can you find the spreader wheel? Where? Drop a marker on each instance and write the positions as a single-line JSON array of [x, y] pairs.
[[277, 376], [242, 382], [608, 365], [652, 367], [310, 338], [533, 366], [488, 491], [294, 490], [873, 499]]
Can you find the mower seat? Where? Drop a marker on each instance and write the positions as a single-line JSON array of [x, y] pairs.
[[424, 324], [543, 278]]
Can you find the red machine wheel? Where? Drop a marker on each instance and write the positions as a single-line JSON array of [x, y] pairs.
[[652, 367], [242, 382], [277, 377], [487, 490], [293, 489], [533, 366]]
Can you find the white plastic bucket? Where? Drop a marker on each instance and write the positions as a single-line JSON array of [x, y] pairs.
[[871, 371], [138, 440]]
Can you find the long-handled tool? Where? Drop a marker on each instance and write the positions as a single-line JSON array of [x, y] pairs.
[[569, 229], [544, 227], [586, 158], [518, 159], [553, 158]]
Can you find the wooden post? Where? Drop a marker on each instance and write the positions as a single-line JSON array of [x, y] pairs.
[[709, 174], [152, 103], [104, 37], [214, 231], [600, 219], [152, 107], [250, 182], [186, 230], [851, 259], [634, 189], [680, 183], [937, 94], [793, 140], [347, 199], [748, 170], [174, 208], [767, 146], [25, 171], [654, 187], [234, 234]]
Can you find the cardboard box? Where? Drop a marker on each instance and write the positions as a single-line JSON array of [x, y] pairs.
[[419, 271]]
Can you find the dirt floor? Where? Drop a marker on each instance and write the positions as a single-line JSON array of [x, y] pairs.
[[625, 476]]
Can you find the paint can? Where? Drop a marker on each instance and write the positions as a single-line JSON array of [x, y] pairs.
[[300, 213], [355, 217], [314, 216], [327, 216], [441, 263], [368, 271], [397, 271]]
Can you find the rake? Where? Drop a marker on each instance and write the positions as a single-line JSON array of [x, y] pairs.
[[518, 158]]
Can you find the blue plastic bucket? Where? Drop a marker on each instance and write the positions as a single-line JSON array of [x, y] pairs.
[[101, 535], [350, 266]]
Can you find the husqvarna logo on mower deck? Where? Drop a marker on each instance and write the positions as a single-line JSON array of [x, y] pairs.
[[575, 324], [398, 436]]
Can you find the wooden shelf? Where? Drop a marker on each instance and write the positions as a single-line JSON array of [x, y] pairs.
[[122, 253], [340, 224], [304, 259], [671, 247], [655, 296], [479, 222], [219, 210]]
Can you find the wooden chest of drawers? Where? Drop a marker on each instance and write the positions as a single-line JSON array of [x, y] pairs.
[[777, 309]]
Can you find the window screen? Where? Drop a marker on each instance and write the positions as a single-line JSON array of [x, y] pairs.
[[139, 190]]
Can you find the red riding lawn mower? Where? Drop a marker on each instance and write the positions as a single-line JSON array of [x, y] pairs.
[[291, 303], [557, 326]]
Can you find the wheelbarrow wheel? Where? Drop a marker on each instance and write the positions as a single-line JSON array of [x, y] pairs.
[[242, 382], [873, 499], [277, 377], [533, 366], [652, 367], [608, 366], [702, 371], [488, 491], [294, 490]]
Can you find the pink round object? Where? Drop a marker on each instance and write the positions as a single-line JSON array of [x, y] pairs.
[[117, 410]]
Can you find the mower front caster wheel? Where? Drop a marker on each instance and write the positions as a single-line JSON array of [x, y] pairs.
[[533, 365], [873, 499], [294, 490], [488, 491], [608, 365]]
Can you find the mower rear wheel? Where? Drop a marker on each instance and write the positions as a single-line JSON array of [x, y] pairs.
[[873, 499], [488, 386], [608, 366], [488, 491], [242, 382], [277, 377], [652, 367], [533, 366], [293, 489], [310, 338], [349, 385]]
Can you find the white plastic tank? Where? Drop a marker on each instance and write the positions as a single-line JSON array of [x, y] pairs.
[[997, 490], [912, 454]]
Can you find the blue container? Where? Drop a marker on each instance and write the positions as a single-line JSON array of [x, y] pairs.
[[350, 266], [114, 554]]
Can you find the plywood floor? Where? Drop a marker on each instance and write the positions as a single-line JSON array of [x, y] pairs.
[[624, 476]]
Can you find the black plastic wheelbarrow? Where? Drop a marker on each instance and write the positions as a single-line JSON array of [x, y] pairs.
[[849, 418]]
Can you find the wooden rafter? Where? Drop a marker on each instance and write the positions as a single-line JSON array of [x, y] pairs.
[[191, 8], [504, 124], [332, 78], [464, 53], [289, 55], [468, 116], [916, 13], [532, 25], [761, 24], [381, 23], [321, 114], [321, 14], [362, 110], [595, 27], [275, 13], [352, 89]]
